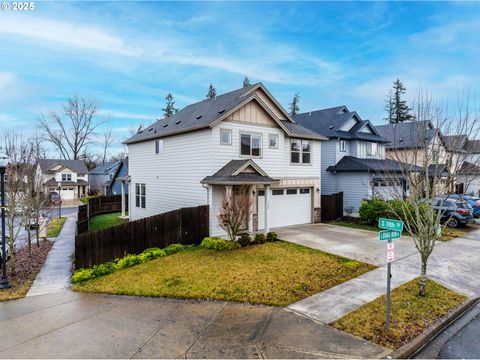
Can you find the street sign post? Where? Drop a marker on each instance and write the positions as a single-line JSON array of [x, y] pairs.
[[392, 229]]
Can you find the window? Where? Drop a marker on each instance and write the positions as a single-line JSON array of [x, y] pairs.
[[300, 151], [273, 141], [304, 191], [369, 149], [159, 147], [291, 191], [225, 137], [277, 192], [261, 192], [66, 177], [140, 195], [343, 145], [251, 145]]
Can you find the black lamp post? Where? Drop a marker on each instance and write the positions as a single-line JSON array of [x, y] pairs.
[[59, 200], [4, 284]]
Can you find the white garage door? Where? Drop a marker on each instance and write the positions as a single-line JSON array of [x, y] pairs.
[[287, 207], [67, 194], [387, 190]]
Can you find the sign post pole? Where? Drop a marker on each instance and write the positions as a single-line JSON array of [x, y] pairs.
[[389, 276]]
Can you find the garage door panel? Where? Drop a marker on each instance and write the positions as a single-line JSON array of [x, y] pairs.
[[67, 194]]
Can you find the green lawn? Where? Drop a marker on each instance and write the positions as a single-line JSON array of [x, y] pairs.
[[410, 315], [55, 226], [277, 273], [104, 221]]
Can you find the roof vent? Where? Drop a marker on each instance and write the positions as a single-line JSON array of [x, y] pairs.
[[330, 127], [165, 125], [400, 140], [221, 111], [150, 129], [199, 117], [178, 122], [155, 131]]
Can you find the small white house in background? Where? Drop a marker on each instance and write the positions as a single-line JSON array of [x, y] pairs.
[[353, 160], [71, 175], [243, 139]]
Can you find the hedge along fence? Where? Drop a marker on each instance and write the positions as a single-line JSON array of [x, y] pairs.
[[183, 226], [97, 206]]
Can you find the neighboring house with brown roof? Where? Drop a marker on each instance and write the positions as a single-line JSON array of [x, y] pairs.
[[243, 140], [70, 176]]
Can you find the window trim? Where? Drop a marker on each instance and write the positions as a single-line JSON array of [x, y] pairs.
[[229, 131], [251, 134], [67, 176], [140, 195], [276, 192], [344, 147], [301, 152], [276, 142], [367, 143]]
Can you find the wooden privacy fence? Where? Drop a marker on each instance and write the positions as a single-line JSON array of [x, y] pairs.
[[332, 206], [183, 226], [97, 206]]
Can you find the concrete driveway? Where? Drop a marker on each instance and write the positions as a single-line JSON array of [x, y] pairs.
[[362, 245]]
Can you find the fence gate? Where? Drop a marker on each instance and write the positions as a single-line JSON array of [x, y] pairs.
[[332, 206]]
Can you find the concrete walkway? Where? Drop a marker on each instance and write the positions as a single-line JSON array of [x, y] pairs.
[[56, 272], [74, 325], [453, 264]]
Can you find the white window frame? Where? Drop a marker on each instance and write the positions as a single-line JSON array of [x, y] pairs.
[[270, 137], [140, 195], [226, 131], [372, 148], [66, 177], [158, 147], [301, 152], [252, 135], [343, 146]]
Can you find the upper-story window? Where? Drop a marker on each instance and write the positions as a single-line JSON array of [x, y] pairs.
[[343, 145], [273, 141], [158, 146], [369, 149], [225, 137], [66, 177], [251, 145], [300, 151]]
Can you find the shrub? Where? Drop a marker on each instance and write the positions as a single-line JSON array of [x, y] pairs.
[[128, 261], [174, 248], [245, 240], [82, 275], [219, 244], [271, 236], [372, 210], [103, 269], [260, 238]]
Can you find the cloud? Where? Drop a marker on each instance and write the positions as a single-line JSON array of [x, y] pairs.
[[125, 115]]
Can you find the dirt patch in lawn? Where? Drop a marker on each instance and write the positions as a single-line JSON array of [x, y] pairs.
[[26, 269], [410, 315], [278, 273]]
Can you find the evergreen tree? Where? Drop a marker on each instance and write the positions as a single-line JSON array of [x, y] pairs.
[[211, 92], [246, 82], [169, 108], [294, 109], [389, 108], [397, 109]]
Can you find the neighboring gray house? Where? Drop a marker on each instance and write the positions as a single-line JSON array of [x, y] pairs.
[[101, 176], [120, 176], [353, 159]]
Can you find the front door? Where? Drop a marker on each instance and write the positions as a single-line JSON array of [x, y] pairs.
[[241, 192]]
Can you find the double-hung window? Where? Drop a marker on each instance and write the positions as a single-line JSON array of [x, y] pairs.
[[225, 137], [66, 177], [140, 195], [343, 146], [251, 145], [300, 151], [273, 141]]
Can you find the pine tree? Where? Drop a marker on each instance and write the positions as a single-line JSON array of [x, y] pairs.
[[389, 108], [169, 108], [246, 82], [294, 109], [397, 109], [212, 93]]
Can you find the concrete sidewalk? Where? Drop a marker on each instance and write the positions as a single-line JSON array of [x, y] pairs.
[[56, 272], [453, 264], [74, 325]]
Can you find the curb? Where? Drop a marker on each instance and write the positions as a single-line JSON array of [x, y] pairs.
[[408, 350]]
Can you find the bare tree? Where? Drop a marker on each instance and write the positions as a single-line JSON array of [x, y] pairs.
[[429, 168], [234, 213], [72, 130], [108, 139]]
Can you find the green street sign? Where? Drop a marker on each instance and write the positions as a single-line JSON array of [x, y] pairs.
[[385, 235], [389, 224]]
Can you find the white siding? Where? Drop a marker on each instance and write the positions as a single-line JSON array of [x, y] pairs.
[[58, 175], [173, 178]]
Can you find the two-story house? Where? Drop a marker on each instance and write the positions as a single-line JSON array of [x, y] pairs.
[[68, 176], [243, 139], [353, 160], [101, 176]]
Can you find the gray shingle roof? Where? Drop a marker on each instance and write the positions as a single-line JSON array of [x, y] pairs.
[[301, 131], [75, 165], [469, 169], [412, 134], [53, 182], [105, 168], [328, 122], [456, 142], [354, 164], [473, 146], [227, 174]]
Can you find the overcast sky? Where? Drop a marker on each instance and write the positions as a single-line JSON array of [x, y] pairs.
[[129, 55]]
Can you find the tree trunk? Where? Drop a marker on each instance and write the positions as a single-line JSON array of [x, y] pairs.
[[423, 281], [37, 235], [29, 238]]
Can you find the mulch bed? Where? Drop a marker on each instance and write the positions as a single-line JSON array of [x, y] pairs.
[[26, 269]]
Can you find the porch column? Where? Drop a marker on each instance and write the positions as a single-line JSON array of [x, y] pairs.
[[122, 191], [267, 210], [251, 210], [228, 191]]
